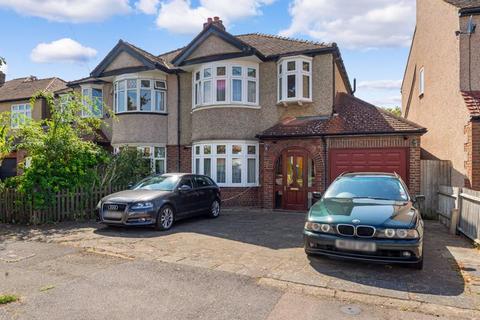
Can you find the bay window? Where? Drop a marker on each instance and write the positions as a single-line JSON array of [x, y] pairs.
[[225, 83], [140, 95], [92, 98], [295, 79], [228, 163]]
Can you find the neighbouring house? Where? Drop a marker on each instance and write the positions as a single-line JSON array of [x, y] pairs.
[[15, 98], [441, 85], [270, 119]]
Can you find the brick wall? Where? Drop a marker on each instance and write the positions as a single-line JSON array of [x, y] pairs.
[[472, 150], [241, 197], [272, 151], [185, 159]]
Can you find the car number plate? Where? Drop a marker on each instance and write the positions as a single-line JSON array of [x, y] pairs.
[[356, 245], [112, 214]]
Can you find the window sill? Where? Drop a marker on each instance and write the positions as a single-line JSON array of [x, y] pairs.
[[142, 112], [299, 102], [239, 185], [226, 106]]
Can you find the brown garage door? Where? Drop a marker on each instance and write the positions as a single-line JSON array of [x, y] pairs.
[[369, 160]]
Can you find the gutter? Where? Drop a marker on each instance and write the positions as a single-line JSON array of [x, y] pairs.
[[353, 134], [469, 11]]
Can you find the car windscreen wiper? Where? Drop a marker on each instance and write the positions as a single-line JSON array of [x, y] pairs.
[[376, 198]]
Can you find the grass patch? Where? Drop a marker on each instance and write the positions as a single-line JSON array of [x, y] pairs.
[[7, 298]]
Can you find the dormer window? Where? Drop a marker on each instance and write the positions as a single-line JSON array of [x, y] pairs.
[[140, 95], [295, 79], [225, 84]]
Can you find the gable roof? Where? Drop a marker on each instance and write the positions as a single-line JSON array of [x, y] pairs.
[[148, 60], [25, 88], [353, 117], [462, 4], [245, 49], [472, 101]]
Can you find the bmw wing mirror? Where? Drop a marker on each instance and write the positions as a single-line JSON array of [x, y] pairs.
[[317, 195]]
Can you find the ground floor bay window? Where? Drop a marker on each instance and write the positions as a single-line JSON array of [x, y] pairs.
[[156, 154], [228, 163]]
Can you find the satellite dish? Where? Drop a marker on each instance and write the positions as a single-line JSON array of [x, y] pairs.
[[471, 26]]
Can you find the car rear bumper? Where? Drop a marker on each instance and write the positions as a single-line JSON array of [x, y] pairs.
[[387, 250]]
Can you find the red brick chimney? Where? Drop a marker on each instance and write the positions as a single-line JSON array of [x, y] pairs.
[[215, 21]]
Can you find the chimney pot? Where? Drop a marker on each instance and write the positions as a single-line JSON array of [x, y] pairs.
[[215, 21]]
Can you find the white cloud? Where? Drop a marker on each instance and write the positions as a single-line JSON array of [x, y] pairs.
[[147, 6], [380, 85], [68, 10], [62, 50], [178, 16], [355, 24]]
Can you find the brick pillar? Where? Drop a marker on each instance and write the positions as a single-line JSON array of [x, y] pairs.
[[475, 155]]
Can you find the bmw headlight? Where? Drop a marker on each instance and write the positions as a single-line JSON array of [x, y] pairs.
[[142, 206], [398, 234], [319, 227]]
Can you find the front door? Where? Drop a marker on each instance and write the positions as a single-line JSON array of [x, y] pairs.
[[295, 180]]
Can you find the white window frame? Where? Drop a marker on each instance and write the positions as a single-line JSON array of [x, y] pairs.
[[138, 89], [244, 156], [26, 114], [421, 82], [228, 77], [152, 156], [298, 73], [88, 98]]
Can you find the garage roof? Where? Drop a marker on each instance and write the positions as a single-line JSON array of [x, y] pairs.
[[352, 117]]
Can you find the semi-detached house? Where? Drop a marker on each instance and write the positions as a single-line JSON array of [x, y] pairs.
[[270, 119]]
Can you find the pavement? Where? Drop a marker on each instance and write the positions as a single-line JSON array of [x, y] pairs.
[[247, 264]]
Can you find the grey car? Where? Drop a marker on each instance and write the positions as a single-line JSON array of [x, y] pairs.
[[160, 200]]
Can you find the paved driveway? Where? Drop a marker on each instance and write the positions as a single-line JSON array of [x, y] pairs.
[[267, 246]]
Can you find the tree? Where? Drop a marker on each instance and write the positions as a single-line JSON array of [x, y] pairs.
[[60, 157], [2, 61], [395, 111], [124, 167], [6, 139]]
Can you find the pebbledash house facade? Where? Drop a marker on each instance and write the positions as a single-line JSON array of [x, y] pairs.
[[270, 119]]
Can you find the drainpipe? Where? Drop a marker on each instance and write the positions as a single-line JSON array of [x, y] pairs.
[[325, 163], [178, 122]]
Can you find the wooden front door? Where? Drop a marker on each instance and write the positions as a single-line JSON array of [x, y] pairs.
[[295, 180]]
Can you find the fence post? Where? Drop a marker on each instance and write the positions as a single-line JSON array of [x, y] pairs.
[[455, 216]]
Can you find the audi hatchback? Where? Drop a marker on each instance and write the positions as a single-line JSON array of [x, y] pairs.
[[160, 200], [368, 217]]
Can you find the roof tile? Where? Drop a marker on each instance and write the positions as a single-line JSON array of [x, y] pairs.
[[25, 88], [353, 116], [472, 100]]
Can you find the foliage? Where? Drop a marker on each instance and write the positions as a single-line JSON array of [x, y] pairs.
[[6, 139], [60, 157], [7, 298], [2, 61], [395, 111], [124, 167]]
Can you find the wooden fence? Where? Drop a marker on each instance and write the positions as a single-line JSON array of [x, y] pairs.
[[74, 205], [433, 174], [460, 207]]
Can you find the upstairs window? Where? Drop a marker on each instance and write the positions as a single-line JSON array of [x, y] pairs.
[[227, 83], [21, 113], [140, 95], [92, 98], [295, 79], [421, 82]]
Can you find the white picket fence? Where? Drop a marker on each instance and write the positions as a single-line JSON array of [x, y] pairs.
[[459, 209]]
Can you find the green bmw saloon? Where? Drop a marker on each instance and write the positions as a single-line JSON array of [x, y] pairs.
[[367, 217]]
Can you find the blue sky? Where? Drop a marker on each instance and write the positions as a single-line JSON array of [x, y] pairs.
[[67, 38]]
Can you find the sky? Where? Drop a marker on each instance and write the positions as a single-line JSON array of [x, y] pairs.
[[68, 38]]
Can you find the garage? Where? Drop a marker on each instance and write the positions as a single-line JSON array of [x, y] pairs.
[[368, 160]]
